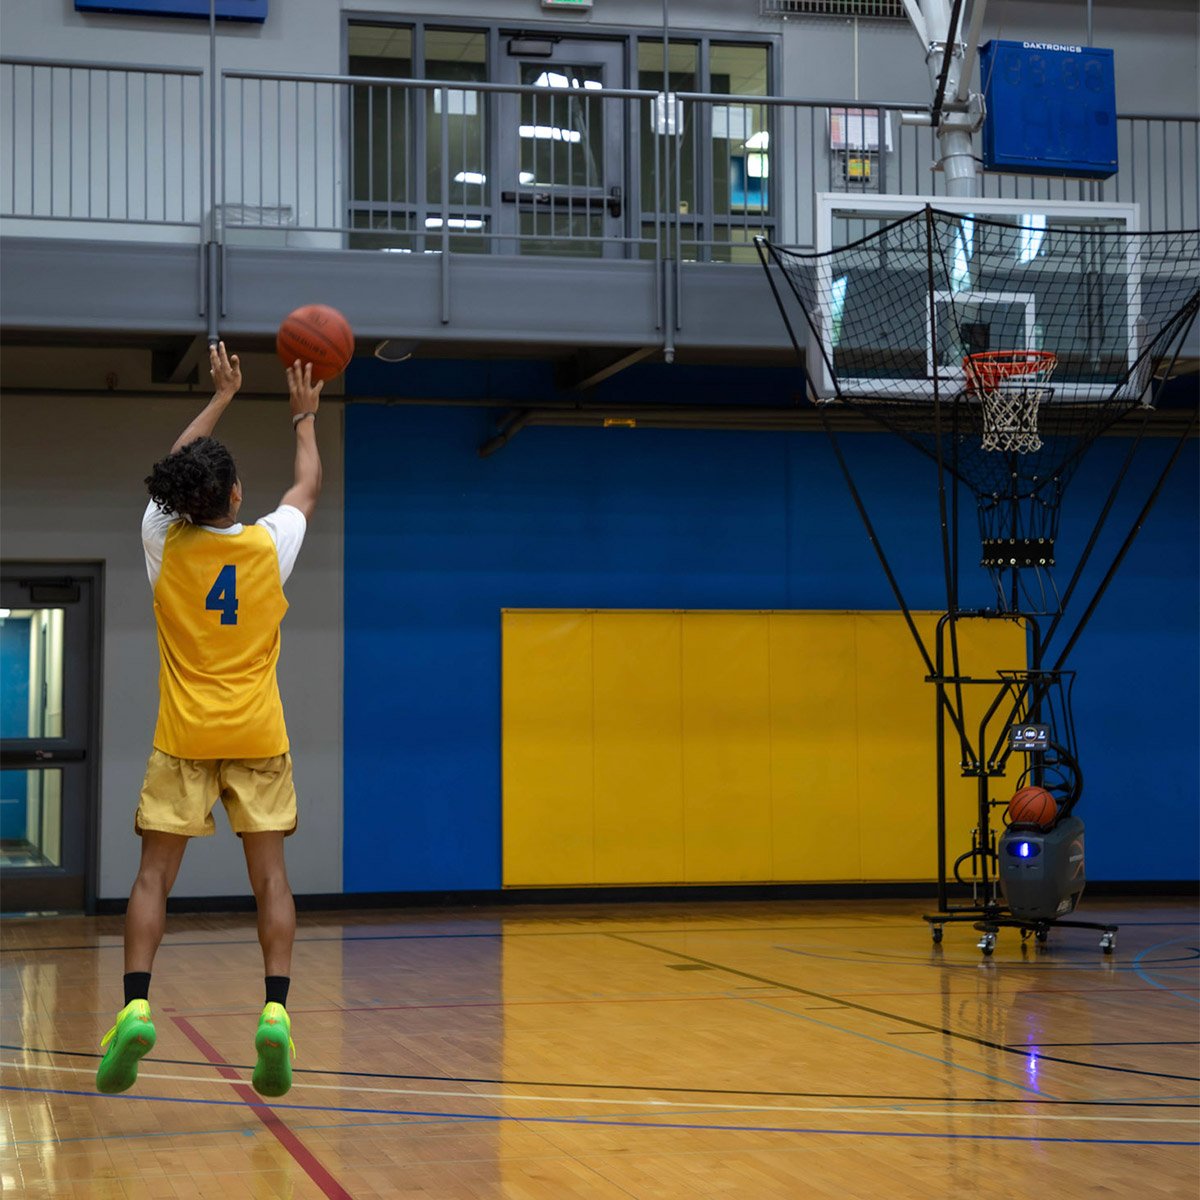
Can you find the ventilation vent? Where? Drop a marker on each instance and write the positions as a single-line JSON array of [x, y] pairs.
[[884, 10]]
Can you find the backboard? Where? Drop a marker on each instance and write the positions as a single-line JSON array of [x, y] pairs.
[[1010, 275]]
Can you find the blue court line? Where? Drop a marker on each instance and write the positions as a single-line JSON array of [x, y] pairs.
[[497, 1119], [249, 1130], [787, 1012], [1145, 977]]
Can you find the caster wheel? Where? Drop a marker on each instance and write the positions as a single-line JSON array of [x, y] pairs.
[[987, 944], [1042, 935], [936, 933], [1024, 935], [1107, 942]]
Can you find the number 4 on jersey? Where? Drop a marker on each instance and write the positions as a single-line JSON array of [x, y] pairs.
[[222, 596]]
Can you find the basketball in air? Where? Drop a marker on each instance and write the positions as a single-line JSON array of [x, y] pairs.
[[317, 334], [1033, 806]]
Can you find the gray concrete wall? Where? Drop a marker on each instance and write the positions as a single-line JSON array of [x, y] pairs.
[[71, 472], [1157, 42]]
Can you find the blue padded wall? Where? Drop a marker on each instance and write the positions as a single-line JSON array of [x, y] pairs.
[[438, 541]]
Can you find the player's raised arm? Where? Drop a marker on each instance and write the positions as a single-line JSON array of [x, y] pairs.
[[226, 374], [304, 397]]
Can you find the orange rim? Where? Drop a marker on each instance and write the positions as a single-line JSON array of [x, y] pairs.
[[989, 368]]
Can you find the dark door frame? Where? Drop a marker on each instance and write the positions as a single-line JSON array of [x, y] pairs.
[[49, 572]]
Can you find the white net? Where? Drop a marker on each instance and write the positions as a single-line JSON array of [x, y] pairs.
[[1011, 387]]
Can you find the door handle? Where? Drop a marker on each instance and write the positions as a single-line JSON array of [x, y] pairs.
[[28, 758], [614, 201]]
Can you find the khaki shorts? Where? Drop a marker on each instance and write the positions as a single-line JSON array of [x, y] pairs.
[[179, 793]]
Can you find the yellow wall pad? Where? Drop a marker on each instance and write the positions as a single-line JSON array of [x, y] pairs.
[[729, 747]]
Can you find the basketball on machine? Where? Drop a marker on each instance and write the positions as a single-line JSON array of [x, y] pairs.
[[999, 339]]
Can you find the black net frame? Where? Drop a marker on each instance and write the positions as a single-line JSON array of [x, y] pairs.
[[888, 322], [1115, 311]]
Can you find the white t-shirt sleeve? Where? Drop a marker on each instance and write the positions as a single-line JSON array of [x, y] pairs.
[[155, 524], [287, 527]]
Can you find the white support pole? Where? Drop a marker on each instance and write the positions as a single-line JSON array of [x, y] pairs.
[[956, 150], [918, 22], [964, 83]]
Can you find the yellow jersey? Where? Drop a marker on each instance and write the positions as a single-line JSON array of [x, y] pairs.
[[218, 603]]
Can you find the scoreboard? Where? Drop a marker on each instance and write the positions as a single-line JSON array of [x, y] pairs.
[[1051, 109]]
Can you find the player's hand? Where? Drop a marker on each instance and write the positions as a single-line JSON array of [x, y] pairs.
[[226, 372], [303, 395]]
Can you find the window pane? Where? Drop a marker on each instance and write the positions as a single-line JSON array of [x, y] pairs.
[[682, 64], [454, 54], [31, 818], [562, 137], [31, 673], [740, 131], [381, 116]]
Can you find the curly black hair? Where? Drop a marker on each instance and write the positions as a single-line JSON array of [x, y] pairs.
[[195, 481]]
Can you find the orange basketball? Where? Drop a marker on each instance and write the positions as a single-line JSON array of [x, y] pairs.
[[1033, 806], [317, 334]]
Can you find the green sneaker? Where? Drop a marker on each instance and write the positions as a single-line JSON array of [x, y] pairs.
[[273, 1041], [128, 1041]]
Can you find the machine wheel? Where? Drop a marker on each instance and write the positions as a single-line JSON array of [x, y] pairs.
[[1107, 942], [987, 944], [1042, 935], [936, 933]]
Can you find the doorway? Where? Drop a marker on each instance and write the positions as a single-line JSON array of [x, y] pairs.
[[49, 735], [563, 178]]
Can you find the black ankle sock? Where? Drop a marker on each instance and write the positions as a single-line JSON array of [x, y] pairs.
[[137, 986], [277, 989]]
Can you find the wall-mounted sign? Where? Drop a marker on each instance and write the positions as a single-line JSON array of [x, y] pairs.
[[227, 10]]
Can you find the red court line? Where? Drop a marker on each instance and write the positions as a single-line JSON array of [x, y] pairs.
[[290, 1142]]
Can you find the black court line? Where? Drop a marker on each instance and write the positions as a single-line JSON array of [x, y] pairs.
[[1034, 1045], [403, 937], [639, 1087], [901, 1020]]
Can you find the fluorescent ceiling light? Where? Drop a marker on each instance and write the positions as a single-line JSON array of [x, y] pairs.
[[454, 223], [558, 80], [758, 141], [476, 177], [550, 133], [526, 177]]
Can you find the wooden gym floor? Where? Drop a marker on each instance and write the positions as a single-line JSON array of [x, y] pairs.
[[741, 1051]]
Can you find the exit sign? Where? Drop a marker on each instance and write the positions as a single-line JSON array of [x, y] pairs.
[[226, 10]]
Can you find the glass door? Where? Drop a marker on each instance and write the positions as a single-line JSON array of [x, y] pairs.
[[48, 647], [562, 152]]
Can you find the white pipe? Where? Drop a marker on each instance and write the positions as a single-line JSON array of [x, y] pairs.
[[964, 83], [955, 143]]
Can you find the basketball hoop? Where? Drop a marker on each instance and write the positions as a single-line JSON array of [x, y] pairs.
[[1010, 385]]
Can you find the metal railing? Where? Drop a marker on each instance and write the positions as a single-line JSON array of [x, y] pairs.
[[102, 144], [419, 166]]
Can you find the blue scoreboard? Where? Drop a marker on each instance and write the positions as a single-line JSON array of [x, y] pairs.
[[1051, 109], [225, 10]]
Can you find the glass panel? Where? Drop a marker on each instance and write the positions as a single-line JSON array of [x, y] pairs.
[[383, 229], [381, 116], [682, 63], [456, 54], [740, 131], [562, 137], [31, 818], [31, 673], [557, 227], [735, 243]]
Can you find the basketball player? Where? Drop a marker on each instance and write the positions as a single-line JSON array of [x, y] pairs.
[[218, 602]]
